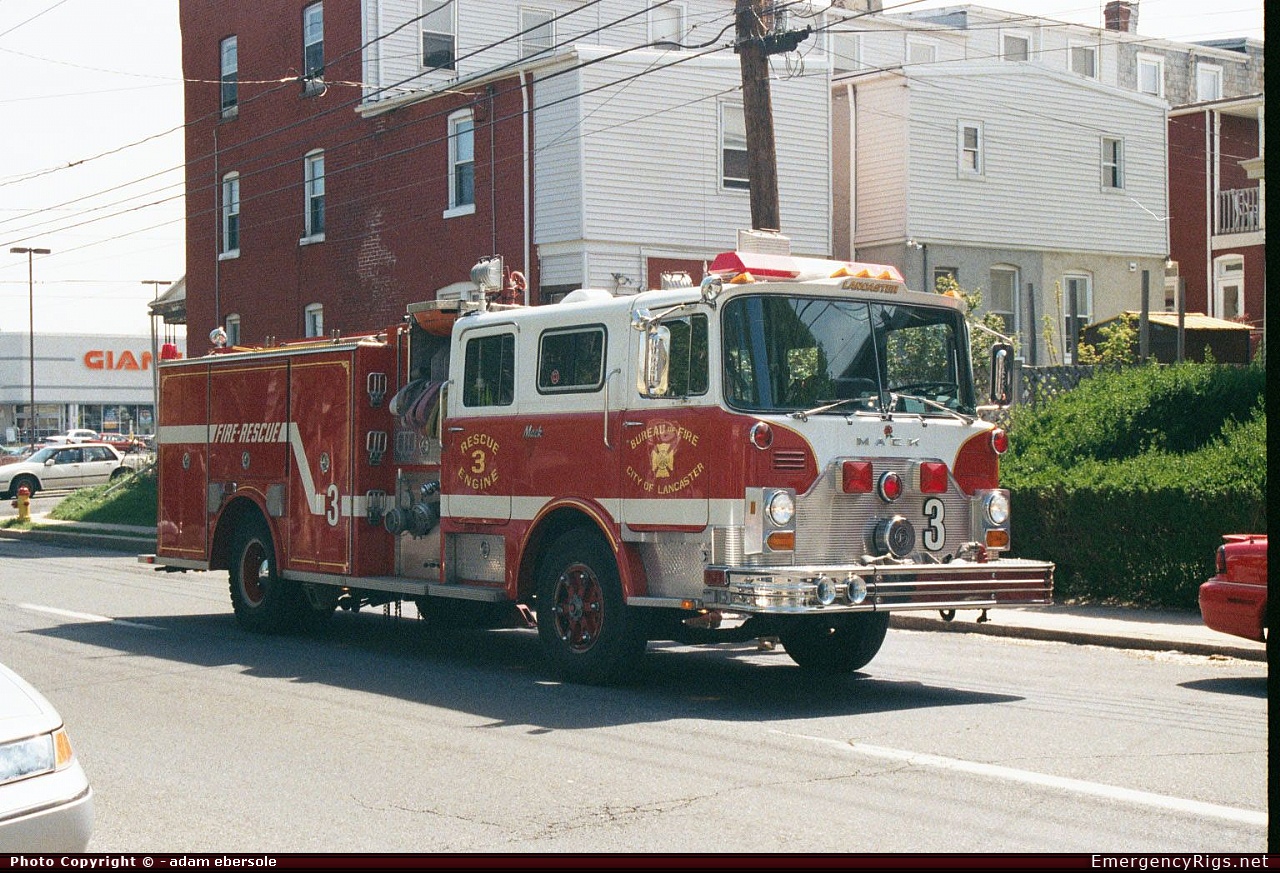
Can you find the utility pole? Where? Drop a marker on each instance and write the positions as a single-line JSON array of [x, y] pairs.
[[756, 40], [31, 340]]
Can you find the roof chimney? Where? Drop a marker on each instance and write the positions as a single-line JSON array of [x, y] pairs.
[[1121, 15]]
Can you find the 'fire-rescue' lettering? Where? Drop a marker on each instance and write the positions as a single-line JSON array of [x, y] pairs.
[[247, 432]]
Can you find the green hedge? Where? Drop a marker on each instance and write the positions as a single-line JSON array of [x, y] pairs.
[[1129, 482]]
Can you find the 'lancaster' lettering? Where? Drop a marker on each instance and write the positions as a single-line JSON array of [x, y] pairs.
[[247, 432]]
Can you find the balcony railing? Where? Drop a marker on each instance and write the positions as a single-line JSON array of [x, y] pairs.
[[1239, 211]]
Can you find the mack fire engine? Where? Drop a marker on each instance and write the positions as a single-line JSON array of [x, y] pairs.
[[789, 450]]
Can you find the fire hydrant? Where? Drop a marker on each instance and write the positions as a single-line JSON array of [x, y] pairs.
[[23, 503]]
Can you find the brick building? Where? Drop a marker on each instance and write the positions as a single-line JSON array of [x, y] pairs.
[[306, 215], [1217, 203], [344, 159]]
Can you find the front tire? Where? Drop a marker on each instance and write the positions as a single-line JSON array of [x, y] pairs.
[[837, 644], [263, 602], [33, 485], [589, 634]]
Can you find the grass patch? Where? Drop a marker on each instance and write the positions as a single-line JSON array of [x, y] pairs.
[[131, 500]]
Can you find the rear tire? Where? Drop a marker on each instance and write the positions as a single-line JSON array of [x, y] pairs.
[[836, 644], [263, 602], [589, 634]]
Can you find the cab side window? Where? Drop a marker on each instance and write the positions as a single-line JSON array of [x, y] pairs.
[[688, 374], [489, 371], [571, 360]]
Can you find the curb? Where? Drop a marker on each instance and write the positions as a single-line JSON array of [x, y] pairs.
[[83, 539], [1080, 637]]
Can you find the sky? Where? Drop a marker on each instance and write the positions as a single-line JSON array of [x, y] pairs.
[[91, 146]]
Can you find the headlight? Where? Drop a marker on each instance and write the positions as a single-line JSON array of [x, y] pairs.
[[781, 509], [27, 758], [998, 508]]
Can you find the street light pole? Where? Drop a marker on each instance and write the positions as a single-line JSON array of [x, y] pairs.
[[31, 328], [155, 355]]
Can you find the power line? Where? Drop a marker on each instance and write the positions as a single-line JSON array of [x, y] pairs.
[[275, 131]]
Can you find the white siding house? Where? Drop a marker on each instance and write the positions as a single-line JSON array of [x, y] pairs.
[[632, 107], [1018, 180]]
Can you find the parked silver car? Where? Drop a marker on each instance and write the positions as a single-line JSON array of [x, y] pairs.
[[68, 466], [46, 803]]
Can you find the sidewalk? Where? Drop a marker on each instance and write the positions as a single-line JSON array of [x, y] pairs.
[[117, 537], [1157, 630], [1118, 627]]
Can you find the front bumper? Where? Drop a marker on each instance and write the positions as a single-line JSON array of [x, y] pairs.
[[877, 587]]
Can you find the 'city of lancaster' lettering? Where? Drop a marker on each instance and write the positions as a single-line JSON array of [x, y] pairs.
[[248, 432]]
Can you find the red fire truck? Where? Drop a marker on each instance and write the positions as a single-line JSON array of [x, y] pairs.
[[789, 450]]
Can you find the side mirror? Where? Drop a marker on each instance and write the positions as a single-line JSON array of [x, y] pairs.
[[1002, 374], [48, 462], [655, 359]]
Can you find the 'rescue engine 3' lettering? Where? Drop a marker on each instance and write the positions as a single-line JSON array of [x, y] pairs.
[[247, 432]]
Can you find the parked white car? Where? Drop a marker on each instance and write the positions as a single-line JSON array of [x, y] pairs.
[[58, 467], [46, 803], [75, 435]]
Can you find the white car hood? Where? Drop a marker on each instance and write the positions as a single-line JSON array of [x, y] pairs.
[[24, 712]]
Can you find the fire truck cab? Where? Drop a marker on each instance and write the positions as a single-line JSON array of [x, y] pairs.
[[789, 449]]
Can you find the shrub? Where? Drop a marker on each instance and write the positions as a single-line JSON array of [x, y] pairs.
[[1129, 482], [1124, 413]]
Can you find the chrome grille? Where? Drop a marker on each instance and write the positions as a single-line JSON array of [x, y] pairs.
[[834, 527]]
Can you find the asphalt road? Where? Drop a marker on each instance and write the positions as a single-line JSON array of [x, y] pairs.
[[381, 735]]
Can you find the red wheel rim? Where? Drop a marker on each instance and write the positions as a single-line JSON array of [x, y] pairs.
[[253, 568], [578, 607]]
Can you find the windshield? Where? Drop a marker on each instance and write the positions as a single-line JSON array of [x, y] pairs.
[[43, 455], [790, 354]]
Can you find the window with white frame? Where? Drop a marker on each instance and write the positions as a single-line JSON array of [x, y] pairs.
[[1151, 74], [921, 52], [969, 140], [313, 186], [232, 327], [666, 24], [313, 40], [1015, 47], [1084, 60], [733, 147], [230, 64], [1004, 295], [1208, 82], [439, 35], [853, 47], [231, 213], [1112, 162], [1228, 286], [462, 163], [537, 31], [1081, 285], [313, 319]]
